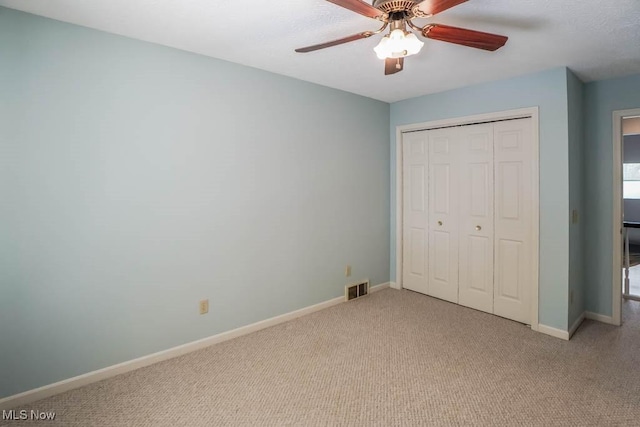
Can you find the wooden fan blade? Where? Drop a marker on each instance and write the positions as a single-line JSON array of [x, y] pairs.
[[360, 7], [393, 65], [343, 40], [432, 7], [464, 37]]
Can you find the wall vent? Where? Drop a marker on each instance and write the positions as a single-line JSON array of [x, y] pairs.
[[356, 290]]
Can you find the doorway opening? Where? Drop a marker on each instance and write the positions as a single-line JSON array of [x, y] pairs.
[[626, 191]]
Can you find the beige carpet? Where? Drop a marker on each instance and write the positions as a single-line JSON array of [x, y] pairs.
[[393, 358]]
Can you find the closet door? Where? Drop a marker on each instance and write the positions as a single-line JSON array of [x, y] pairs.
[[443, 208], [513, 220], [476, 217], [415, 151]]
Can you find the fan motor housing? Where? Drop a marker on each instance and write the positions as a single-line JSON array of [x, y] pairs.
[[390, 6]]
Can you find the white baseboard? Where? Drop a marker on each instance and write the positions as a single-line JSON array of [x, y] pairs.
[[559, 333], [576, 325], [599, 317], [380, 287], [394, 285], [121, 368], [554, 332]]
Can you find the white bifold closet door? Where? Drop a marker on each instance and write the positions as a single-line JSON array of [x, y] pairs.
[[443, 214], [414, 211], [476, 216], [513, 219], [467, 220]]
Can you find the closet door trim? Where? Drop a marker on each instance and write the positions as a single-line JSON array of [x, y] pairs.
[[522, 113]]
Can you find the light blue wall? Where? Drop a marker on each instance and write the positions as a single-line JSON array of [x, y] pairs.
[[548, 90], [138, 179], [575, 91], [602, 98]]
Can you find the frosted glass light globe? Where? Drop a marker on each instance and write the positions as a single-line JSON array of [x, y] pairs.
[[398, 44]]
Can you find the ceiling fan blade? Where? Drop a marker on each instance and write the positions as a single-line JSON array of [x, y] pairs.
[[432, 7], [343, 40], [360, 7], [393, 65], [464, 37]]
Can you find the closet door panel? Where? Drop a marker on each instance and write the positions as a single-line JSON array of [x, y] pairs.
[[476, 217], [415, 235], [513, 219], [443, 218]]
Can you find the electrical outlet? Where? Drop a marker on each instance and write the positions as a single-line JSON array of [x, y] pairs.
[[347, 271], [204, 306]]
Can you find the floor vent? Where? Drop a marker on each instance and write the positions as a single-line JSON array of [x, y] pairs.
[[356, 290]]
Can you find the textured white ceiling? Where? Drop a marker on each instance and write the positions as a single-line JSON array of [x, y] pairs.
[[597, 39]]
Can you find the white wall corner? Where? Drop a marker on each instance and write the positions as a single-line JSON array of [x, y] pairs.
[[554, 332], [576, 325], [600, 318]]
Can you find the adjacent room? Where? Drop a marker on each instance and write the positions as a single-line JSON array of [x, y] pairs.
[[631, 207], [319, 212]]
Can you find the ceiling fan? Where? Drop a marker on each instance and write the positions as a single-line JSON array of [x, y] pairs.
[[400, 43]]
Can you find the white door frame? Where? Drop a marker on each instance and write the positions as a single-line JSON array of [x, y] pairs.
[[618, 201], [532, 113]]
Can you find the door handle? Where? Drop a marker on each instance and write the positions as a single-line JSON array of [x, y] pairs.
[[478, 228]]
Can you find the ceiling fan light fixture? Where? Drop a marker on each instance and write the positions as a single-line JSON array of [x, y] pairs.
[[397, 16], [398, 44]]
